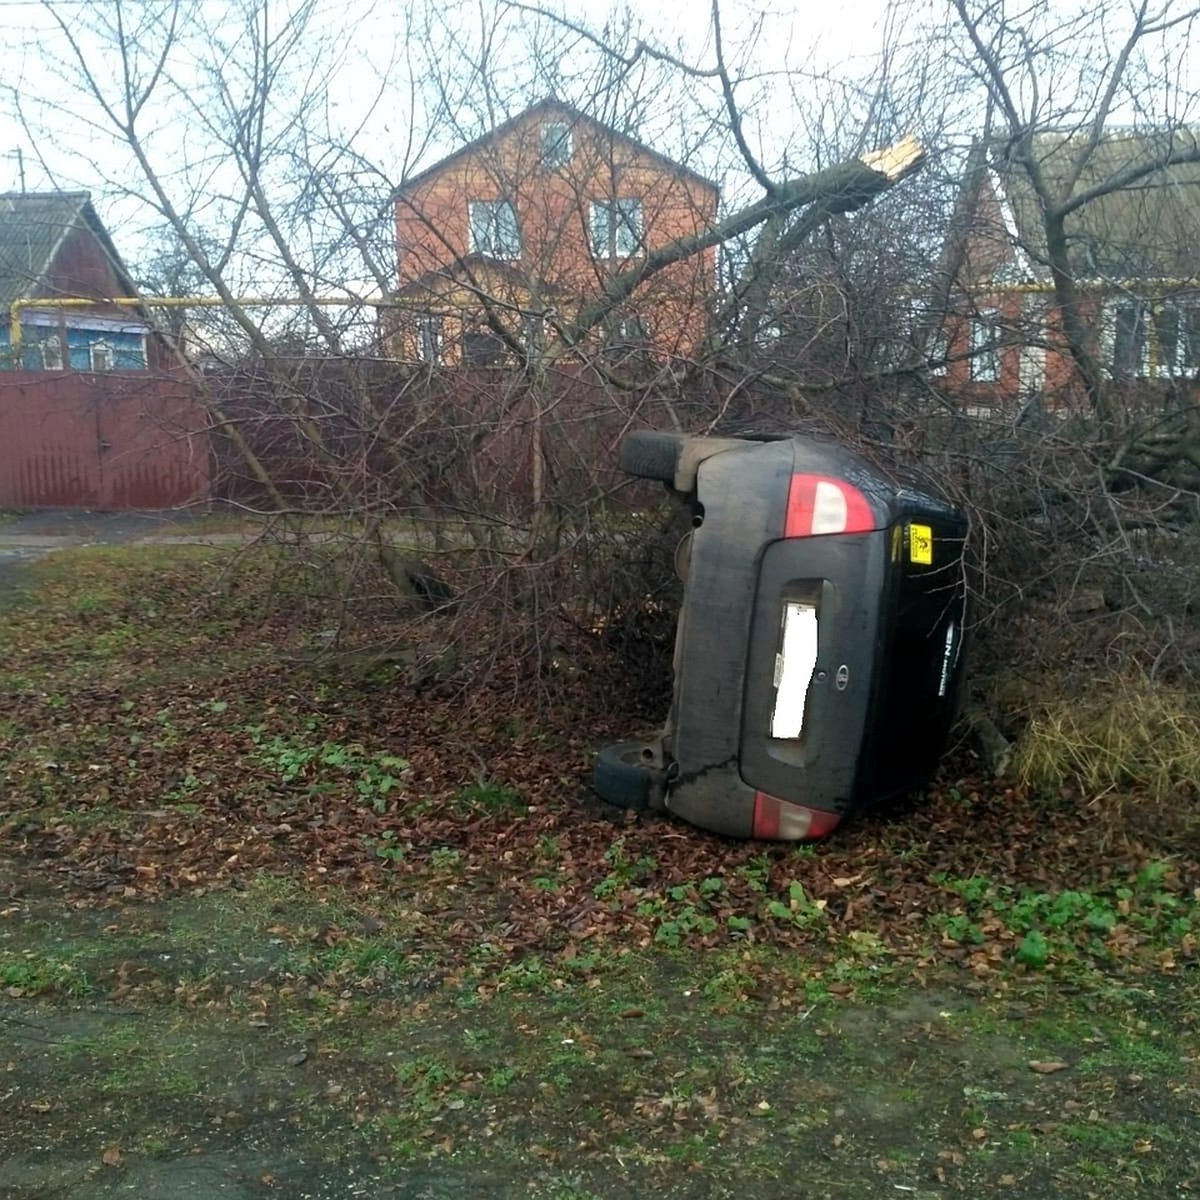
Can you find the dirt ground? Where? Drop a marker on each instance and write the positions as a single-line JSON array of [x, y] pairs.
[[199, 1046], [248, 950]]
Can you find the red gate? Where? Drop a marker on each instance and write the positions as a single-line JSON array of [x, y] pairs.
[[101, 441]]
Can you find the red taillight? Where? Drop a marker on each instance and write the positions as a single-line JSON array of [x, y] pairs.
[[817, 504], [778, 821]]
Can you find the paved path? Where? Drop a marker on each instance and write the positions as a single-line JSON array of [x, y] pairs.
[[80, 527], [30, 536]]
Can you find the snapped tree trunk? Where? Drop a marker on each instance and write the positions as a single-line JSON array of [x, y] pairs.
[[841, 188]]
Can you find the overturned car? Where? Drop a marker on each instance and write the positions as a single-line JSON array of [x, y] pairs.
[[819, 645]]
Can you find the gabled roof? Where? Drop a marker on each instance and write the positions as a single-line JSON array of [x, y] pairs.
[[550, 107], [1149, 229], [33, 227], [962, 221]]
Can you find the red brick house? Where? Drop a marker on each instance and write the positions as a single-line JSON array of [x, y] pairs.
[[506, 239], [1134, 252]]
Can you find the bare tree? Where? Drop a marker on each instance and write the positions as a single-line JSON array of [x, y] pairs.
[[1087, 112], [1066, 405], [274, 203]]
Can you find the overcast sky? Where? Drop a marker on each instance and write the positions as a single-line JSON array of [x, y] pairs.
[[803, 38], [403, 86]]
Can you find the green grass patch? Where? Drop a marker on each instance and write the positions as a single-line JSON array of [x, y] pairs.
[[320, 767], [488, 797], [334, 1012], [1067, 926], [34, 973]]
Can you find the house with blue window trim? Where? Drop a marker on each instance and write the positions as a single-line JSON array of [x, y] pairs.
[[55, 257], [96, 410]]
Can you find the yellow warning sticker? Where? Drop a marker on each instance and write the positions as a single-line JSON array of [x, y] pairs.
[[920, 544]]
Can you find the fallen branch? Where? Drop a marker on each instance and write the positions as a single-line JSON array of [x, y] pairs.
[[841, 188]]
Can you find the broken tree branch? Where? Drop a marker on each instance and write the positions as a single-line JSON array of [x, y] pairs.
[[841, 188]]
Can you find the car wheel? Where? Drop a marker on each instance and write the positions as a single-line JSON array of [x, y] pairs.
[[651, 455], [625, 775]]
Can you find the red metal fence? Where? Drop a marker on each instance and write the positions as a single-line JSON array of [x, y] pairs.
[[392, 436], [112, 441]]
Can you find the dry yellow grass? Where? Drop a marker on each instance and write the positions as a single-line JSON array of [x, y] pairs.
[[1130, 735]]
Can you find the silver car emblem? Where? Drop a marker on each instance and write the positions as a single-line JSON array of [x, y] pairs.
[[842, 678]]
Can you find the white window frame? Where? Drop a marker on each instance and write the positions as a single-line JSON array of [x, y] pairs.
[[101, 356], [986, 364], [631, 329], [430, 339], [1161, 365], [1184, 357], [40, 323], [51, 350], [490, 225], [1031, 352], [1189, 335], [556, 145], [618, 227], [1106, 325], [1110, 320], [533, 331]]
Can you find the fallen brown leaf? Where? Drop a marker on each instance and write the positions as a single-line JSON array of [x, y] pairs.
[[1049, 1068]]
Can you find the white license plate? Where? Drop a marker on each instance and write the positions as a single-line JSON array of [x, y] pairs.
[[794, 667]]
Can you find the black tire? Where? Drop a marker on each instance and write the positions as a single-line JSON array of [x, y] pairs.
[[622, 776], [651, 455]]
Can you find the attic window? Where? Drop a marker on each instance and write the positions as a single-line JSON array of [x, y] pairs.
[[493, 229], [556, 145], [101, 356]]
